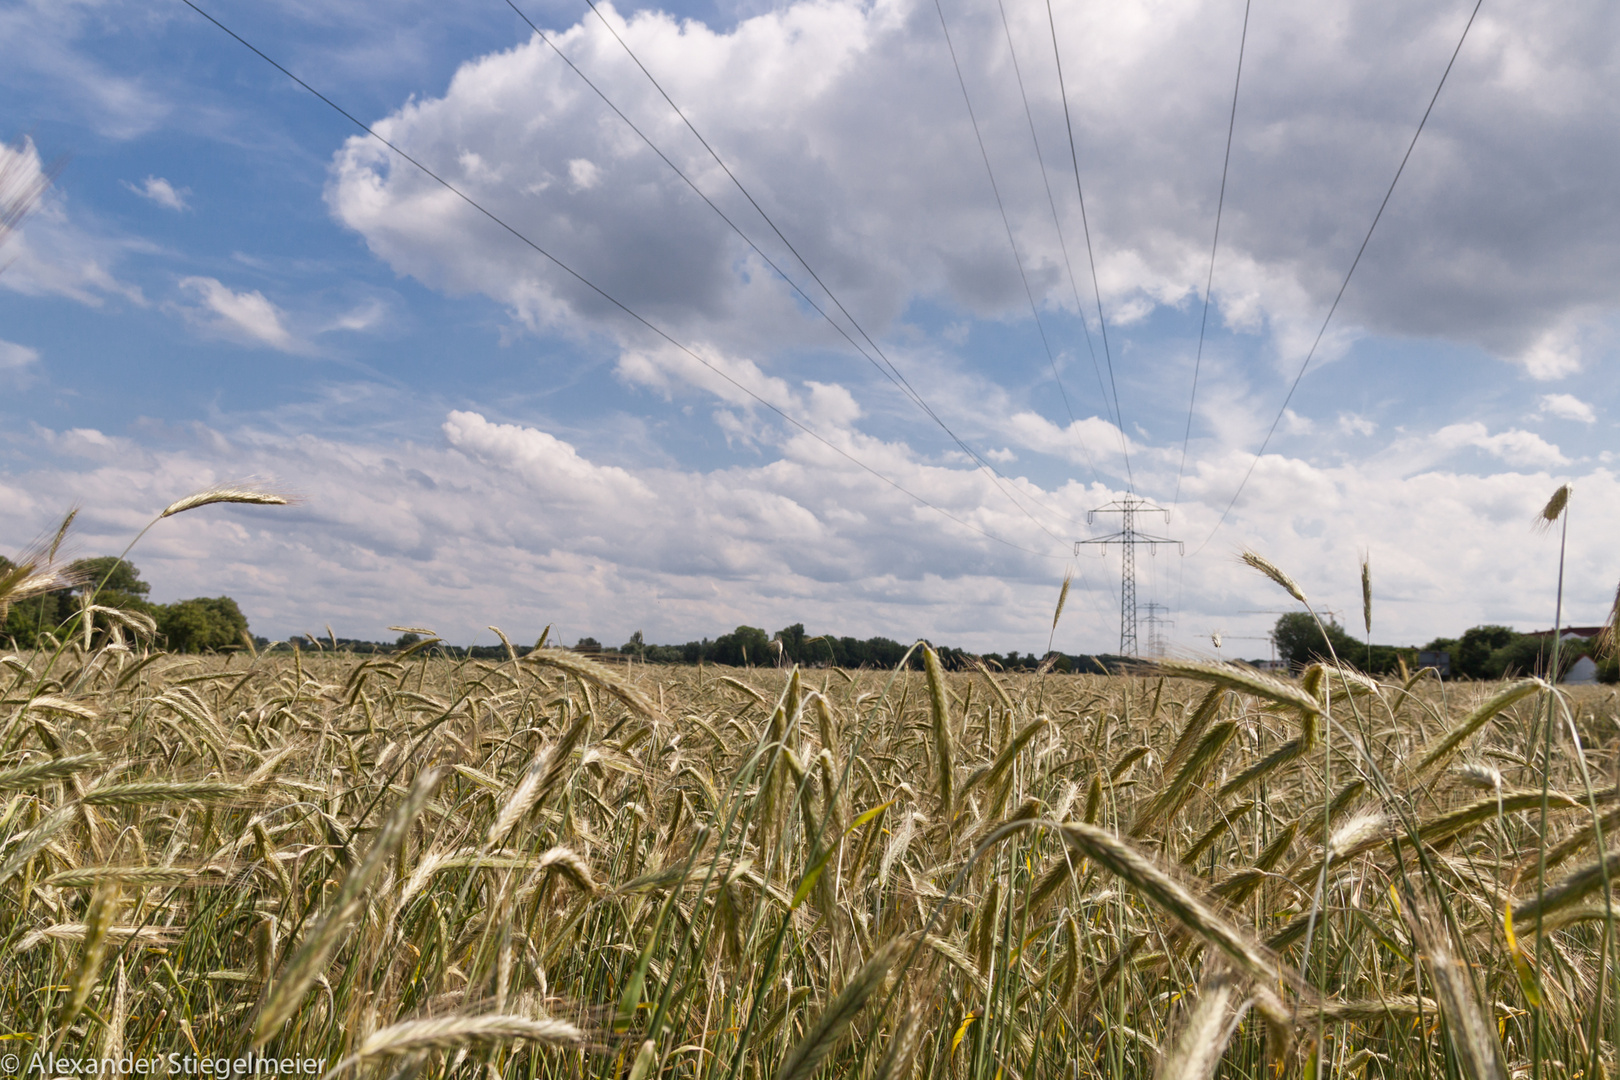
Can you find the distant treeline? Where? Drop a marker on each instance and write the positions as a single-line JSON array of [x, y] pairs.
[[1482, 652], [216, 624], [746, 646]]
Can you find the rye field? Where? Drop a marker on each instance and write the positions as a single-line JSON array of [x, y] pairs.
[[411, 865]]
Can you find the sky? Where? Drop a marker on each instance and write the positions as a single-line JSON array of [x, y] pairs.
[[856, 338]]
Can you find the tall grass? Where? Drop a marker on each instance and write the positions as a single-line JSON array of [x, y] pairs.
[[550, 868]]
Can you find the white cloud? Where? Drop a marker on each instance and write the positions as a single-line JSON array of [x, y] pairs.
[[1518, 448], [162, 192], [509, 523], [1355, 424], [1554, 354], [245, 316], [49, 254], [14, 357], [1567, 407], [584, 174], [889, 206]]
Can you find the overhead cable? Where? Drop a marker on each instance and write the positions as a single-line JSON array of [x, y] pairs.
[[1085, 223], [611, 299], [1283, 409], [1057, 226], [1000, 479], [1209, 279], [1001, 207]]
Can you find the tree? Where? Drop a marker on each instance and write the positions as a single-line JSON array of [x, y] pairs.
[[203, 624], [1471, 657], [118, 582], [742, 647], [1300, 641]]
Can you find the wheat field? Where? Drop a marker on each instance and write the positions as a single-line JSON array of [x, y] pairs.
[[411, 865]]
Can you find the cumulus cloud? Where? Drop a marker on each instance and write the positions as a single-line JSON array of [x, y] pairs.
[[14, 357], [1523, 449], [245, 316], [1567, 407], [512, 524], [158, 190], [889, 205]]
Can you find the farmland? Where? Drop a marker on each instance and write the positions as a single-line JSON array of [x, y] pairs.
[[549, 867]]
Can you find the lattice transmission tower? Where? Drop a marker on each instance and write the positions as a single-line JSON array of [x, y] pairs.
[[1156, 643], [1128, 538]]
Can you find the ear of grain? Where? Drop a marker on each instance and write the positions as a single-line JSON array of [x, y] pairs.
[[453, 1032], [1274, 572], [1568, 892], [1156, 883], [899, 1056], [1438, 751], [1469, 1029], [822, 1036], [1245, 681], [1366, 592], [236, 493], [1180, 788], [940, 715], [538, 779], [45, 770], [146, 793], [1192, 731], [304, 966], [1555, 507], [1207, 1030], [598, 675], [34, 840], [1608, 642], [103, 906]]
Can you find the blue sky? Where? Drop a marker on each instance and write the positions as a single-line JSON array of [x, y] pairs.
[[227, 280]]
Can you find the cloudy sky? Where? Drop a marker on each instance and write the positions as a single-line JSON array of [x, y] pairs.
[[815, 348]]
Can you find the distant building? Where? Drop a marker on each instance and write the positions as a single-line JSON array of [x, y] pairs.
[[1570, 633], [1582, 672], [1440, 661]]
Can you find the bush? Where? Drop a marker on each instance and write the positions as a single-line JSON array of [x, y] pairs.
[[1608, 671], [204, 624]]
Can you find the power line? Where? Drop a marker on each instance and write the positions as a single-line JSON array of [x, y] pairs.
[[1348, 274], [1102, 323], [598, 290], [1001, 207], [1209, 280], [903, 382], [1057, 225]]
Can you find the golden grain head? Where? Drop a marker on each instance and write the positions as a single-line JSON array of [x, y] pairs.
[[1275, 573], [1555, 507], [233, 493]]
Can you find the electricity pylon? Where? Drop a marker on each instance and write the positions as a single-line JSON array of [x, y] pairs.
[[1128, 538], [1155, 624]]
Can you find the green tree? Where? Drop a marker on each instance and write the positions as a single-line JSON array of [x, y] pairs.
[[1300, 641], [119, 582], [1608, 671], [744, 646], [203, 624], [1471, 656]]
